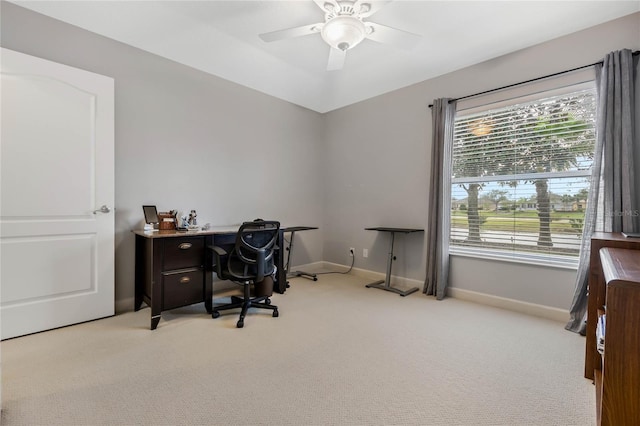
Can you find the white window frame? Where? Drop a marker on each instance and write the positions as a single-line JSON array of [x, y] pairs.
[[564, 84]]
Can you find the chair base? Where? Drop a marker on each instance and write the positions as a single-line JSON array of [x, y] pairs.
[[246, 302]]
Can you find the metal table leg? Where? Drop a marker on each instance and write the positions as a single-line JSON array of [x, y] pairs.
[[304, 274], [386, 283]]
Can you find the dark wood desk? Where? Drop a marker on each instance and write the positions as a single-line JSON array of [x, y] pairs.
[[175, 269], [386, 283]]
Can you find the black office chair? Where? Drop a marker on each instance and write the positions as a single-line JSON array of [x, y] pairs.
[[250, 262]]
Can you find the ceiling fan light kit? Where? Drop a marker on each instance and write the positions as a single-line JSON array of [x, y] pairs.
[[343, 29], [343, 32]]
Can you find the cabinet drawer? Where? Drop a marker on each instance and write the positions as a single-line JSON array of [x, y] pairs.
[[181, 288], [181, 253]]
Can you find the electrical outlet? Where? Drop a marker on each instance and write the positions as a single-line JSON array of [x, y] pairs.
[[365, 252], [352, 251]]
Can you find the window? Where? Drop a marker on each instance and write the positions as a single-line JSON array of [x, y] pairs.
[[520, 178]]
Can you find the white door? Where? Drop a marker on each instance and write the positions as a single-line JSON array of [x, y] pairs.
[[56, 171]]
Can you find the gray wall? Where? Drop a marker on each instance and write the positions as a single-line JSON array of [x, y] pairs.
[[188, 140], [182, 137], [378, 166]]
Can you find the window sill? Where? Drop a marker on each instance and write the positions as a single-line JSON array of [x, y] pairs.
[[523, 259]]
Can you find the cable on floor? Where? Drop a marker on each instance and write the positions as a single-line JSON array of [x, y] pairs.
[[353, 260]]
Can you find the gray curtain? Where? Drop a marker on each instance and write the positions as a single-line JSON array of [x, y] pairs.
[[611, 207], [443, 114]]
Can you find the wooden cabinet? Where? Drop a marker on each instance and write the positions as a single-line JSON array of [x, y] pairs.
[[616, 372], [171, 272], [182, 269], [597, 288]]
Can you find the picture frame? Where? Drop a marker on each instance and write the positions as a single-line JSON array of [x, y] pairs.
[[150, 214]]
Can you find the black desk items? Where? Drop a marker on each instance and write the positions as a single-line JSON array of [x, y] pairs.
[[386, 283], [293, 230], [174, 269]]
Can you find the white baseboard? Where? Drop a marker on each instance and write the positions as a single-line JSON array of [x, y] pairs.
[[397, 281], [308, 267], [542, 311], [533, 309]]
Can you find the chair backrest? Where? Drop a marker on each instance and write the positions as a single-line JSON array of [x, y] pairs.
[[252, 256]]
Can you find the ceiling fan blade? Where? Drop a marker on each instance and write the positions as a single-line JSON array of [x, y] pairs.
[[291, 32], [398, 38], [368, 8], [336, 59], [322, 4]]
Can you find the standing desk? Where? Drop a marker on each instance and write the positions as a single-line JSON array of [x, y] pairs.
[[386, 283], [293, 230], [174, 268]]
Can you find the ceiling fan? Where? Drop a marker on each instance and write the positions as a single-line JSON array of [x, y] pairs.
[[343, 29]]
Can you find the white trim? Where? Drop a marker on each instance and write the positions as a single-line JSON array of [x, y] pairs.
[[533, 309], [313, 267], [533, 96], [542, 311], [401, 282], [517, 257]]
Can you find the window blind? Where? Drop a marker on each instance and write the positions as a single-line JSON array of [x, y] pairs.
[[520, 177]]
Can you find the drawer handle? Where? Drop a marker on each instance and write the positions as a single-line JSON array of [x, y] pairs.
[[185, 280], [185, 246]]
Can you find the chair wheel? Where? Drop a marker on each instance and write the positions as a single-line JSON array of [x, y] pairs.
[[240, 324], [215, 314], [267, 301], [315, 278], [275, 314]]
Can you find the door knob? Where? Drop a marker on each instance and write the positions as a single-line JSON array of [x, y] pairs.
[[103, 209]]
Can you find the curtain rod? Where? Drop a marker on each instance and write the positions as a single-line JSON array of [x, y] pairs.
[[530, 81]]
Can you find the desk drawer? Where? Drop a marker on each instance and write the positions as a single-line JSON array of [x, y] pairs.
[[183, 252], [181, 288]]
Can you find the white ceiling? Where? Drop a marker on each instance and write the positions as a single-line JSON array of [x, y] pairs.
[[221, 38]]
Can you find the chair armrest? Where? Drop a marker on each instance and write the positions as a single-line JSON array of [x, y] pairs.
[[219, 259], [218, 251], [261, 256]]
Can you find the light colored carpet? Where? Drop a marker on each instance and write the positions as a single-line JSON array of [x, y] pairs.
[[339, 354]]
